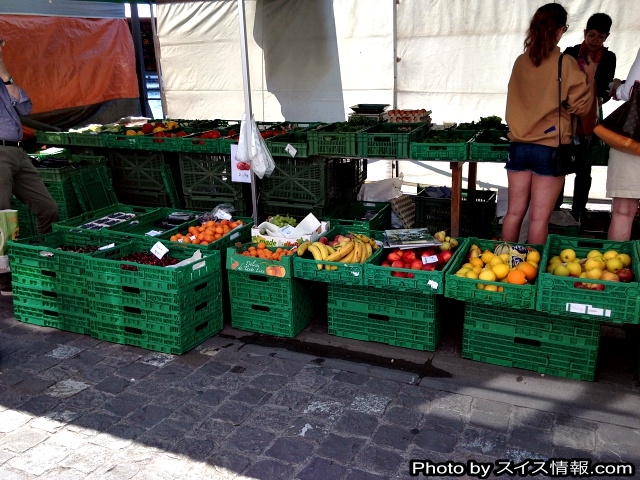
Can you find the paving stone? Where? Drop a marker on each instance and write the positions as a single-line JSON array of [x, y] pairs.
[[122, 471], [380, 387], [63, 352], [213, 397], [614, 434], [392, 436], [379, 459], [340, 448], [533, 418], [321, 469], [192, 359], [270, 470], [67, 388], [362, 475], [482, 441], [249, 440], [252, 396], [344, 392], [530, 438], [39, 459], [311, 379], [8, 473], [324, 408], [113, 384], [96, 421], [118, 437], [64, 473], [575, 423], [11, 420], [13, 376], [214, 368], [314, 430], [446, 421], [148, 415], [11, 399], [288, 368], [5, 455], [40, 405], [22, 439], [519, 455], [356, 423], [231, 461], [124, 404], [436, 441], [290, 450], [192, 413], [195, 448], [135, 370], [490, 406], [490, 421], [269, 382], [212, 427], [402, 416], [234, 412], [158, 359], [87, 458], [293, 399], [457, 403]]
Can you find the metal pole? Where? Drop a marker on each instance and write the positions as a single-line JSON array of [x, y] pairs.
[[247, 98], [142, 76]]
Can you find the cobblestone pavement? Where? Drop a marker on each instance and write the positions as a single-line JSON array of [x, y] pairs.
[[240, 406]]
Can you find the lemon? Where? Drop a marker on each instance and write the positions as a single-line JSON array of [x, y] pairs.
[[487, 255], [501, 270], [471, 274], [496, 260], [625, 259], [491, 288], [476, 262], [487, 275], [533, 256]]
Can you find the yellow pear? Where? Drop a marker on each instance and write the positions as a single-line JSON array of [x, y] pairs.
[[625, 259], [533, 257], [610, 254], [491, 288], [574, 268], [593, 262], [594, 253], [471, 274], [488, 276], [561, 270], [496, 260], [567, 255], [594, 273]]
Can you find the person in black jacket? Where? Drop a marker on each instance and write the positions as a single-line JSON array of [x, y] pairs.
[[592, 49]]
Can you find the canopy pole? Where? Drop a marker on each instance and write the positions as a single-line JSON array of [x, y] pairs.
[[247, 98], [140, 67]]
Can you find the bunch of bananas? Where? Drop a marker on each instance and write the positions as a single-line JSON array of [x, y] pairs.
[[354, 248]]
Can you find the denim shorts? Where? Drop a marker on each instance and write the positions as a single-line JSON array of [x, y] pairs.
[[530, 157]]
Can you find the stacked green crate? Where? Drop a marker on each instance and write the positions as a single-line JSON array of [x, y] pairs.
[[560, 346], [26, 220], [362, 217], [49, 278], [153, 306], [265, 297]]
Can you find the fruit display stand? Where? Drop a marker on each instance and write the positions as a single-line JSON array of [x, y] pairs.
[[265, 296], [49, 278], [609, 301], [155, 306], [324, 271], [362, 217], [466, 289], [389, 140], [560, 346], [372, 314]]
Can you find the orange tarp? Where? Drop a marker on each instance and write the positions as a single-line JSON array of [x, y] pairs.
[[69, 62]]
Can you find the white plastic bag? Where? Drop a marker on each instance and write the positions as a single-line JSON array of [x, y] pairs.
[[254, 151]]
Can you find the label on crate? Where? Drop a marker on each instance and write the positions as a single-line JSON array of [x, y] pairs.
[[291, 150], [111, 245], [433, 284], [429, 259], [159, 250], [588, 309], [153, 233]]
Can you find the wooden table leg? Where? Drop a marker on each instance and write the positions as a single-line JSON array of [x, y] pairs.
[[456, 194], [473, 176]]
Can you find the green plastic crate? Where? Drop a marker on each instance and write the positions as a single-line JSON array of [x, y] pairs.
[[598, 153], [64, 304], [95, 219], [362, 217], [251, 287], [327, 141], [207, 175], [173, 343], [106, 267], [617, 303], [241, 234], [536, 354], [390, 140], [423, 282], [208, 203], [52, 138], [120, 140], [89, 159], [285, 317], [347, 273], [489, 146], [406, 320], [253, 268], [464, 289], [150, 225], [145, 198], [86, 139], [93, 188], [295, 210], [65, 196], [45, 317], [26, 221], [313, 180], [170, 186], [137, 169], [446, 145], [298, 140], [477, 212]]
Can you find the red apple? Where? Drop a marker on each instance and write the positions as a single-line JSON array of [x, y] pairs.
[[409, 256], [385, 263], [429, 267], [625, 275], [324, 240], [409, 275], [597, 286], [393, 257], [398, 274], [444, 256], [397, 264], [416, 265]]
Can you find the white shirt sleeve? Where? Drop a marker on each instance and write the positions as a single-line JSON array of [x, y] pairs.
[[624, 91]]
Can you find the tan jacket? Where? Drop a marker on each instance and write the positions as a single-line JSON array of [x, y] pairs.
[[532, 99]]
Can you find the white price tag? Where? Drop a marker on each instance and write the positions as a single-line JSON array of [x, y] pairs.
[[234, 236], [576, 308], [286, 230], [153, 233], [159, 250], [111, 245], [433, 284], [291, 150], [595, 311], [429, 259]]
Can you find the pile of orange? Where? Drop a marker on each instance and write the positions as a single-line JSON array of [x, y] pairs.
[[206, 233], [261, 251]]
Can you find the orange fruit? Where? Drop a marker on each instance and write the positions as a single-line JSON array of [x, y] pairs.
[[530, 271], [517, 277], [262, 246]]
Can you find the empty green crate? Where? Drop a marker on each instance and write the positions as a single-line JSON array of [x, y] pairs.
[[137, 169], [278, 145], [327, 141], [94, 189], [50, 318], [617, 303], [52, 138], [65, 196], [151, 224], [285, 317], [362, 217], [208, 203], [465, 289], [26, 220], [313, 180], [208, 175], [64, 304], [389, 140], [87, 139], [489, 146], [531, 353], [176, 344], [406, 320], [477, 212], [144, 198], [446, 145]]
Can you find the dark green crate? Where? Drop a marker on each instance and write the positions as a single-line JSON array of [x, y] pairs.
[[106, 267], [296, 210], [406, 320], [298, 140], [352, 175], [327, 141], [145, 198], [465, 289], [477, 212], [94, 189], [195, 144], [50, 318], [489, 146], [532, 325], [52, 138], [597, 153], [256, 287], [208, 203], [94, 219], [313, 180], [170, 186], [120, 140], [56, 174], [424, 282], [208, 175], [176, 344], [26, 221], [89, 159], [347, 273], [86, 139], [150, 225], [137, 169], [207, 288], [63, 303], [362, 217], [241, 234], [156, 143], [446, 145], [390, 140], [274, 317], [617, 303], [65, 196], [576, 362], [567, 231]]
